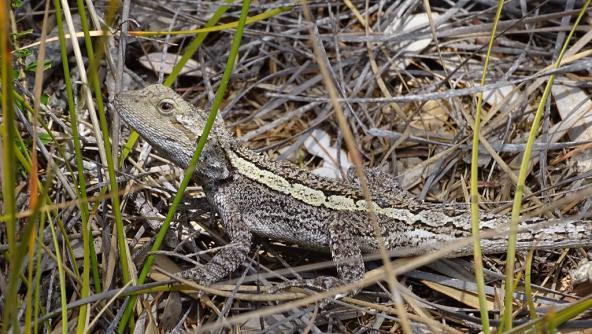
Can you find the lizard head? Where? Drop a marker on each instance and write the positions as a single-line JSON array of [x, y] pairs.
[[172, 126]]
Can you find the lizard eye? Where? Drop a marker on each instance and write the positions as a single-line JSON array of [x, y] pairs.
[[166, 107]]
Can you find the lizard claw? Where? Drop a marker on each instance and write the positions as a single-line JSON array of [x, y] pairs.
[[196, 275]]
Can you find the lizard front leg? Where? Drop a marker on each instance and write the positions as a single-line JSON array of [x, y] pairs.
[[230, 258]]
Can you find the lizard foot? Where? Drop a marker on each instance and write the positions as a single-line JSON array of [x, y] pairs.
[[197, 275]]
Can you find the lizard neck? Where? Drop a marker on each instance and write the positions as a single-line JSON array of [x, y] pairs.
[[214, 166]]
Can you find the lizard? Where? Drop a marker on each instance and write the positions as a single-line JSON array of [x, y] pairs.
[[258, 196]]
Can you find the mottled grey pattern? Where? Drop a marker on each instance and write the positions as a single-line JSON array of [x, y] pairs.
[[245, 193]]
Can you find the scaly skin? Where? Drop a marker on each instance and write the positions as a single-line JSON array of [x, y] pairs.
[[257, 196]]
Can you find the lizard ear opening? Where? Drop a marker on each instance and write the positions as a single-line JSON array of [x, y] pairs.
[[166, 107]]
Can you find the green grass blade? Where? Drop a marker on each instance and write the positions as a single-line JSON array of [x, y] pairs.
[[38, 274], [33, 177], [81, 181], [195, 44], [528, 285], [93, 77], [226, 26], [477, 254], [62, 277], [193, 163], [11, 304], [89, 261], [512, 239]]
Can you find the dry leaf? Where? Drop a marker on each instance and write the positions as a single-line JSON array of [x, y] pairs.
[[573, 102], [165, 62], [433, 118], [467, 298]]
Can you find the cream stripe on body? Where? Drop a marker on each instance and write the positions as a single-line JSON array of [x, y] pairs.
[[317, 198]]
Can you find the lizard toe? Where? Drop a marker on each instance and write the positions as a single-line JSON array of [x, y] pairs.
[[198, 276]]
